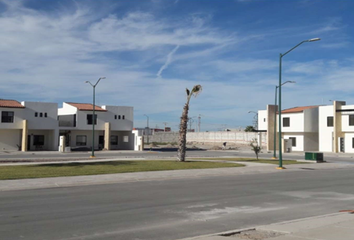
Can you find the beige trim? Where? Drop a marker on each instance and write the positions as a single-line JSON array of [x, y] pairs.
[[24, 136], [271, 109], [107, 136], [337, 124]]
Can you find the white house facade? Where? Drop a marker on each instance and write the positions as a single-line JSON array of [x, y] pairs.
[[113, 126], [299, 126], [28, 126]]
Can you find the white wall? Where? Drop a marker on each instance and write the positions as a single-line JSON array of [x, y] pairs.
[[345, 119], [119, 124], [299, 140], [296, 122], [48, 123], [67, 109], [311, 141], [18, 118], [325, 134], [262, 120]]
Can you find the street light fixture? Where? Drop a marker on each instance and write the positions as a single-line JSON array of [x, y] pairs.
[[94, 119], [147, 124], [279, 109], [275, 119]]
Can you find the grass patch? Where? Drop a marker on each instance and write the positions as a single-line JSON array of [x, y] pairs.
[[95, 168], [271, 161]]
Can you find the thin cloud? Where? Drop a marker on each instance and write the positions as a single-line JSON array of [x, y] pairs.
[[168, 61]]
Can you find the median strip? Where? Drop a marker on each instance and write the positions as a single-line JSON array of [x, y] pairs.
[[96, 168]]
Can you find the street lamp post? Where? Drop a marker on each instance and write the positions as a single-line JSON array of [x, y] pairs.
[[279, 109], [275, 119], [93, 115], [147, 124]]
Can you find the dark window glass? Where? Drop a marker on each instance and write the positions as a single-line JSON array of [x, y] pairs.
[[329, 121], [264, 119], [40, 114], [351, 120], [89, 119], [81, 140], [115, 116], [7, 117], [286, 122], [36, 114], [293, 141], [118, 116], [123, 117], [45, 115], [114, 140], [38, 140], [352, 142]]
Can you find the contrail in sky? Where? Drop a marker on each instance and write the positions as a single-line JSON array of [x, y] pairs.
[[168, 61]]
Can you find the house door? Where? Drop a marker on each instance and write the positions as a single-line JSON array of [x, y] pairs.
[[28, 142], [341, 144], [101, 142]]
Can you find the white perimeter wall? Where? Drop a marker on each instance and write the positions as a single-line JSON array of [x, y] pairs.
[[325, 133], [234, 137]]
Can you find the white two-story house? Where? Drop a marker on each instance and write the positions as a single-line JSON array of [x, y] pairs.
[[28, 126], [113, 126], [299, 125]]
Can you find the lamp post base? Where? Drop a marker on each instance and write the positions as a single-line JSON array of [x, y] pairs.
[[281, 168], [92, 156]]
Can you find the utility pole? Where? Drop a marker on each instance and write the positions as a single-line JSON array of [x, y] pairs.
[[199, 121], [165, 123]]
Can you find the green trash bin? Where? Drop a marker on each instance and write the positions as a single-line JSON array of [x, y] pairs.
[[314, 156]]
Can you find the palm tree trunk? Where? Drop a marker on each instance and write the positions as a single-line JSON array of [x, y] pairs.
[[181, 155]]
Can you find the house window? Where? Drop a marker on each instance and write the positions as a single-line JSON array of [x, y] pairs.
[[293, 139], [352, 142], [329, 121], [286, 122], [40, 114], [115, 116], [118, 116], [264, 119], [114, 140], [123, 117], [126, 139], [351, 120], [45, 115], [36, 114], [7, 117], [89, 119], [38, 140], [81, 140]]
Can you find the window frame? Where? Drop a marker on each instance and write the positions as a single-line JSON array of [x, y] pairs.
[[89, 119], [286, 118], [9, 119], [115, 138], [351, 120], [81, 143]]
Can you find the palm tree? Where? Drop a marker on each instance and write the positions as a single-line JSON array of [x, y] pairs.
[[181, 154]]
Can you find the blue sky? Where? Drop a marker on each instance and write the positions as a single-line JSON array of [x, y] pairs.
[[151, 50]]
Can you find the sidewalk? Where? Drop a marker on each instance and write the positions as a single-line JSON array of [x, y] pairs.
[[250, 168], [337, 226]]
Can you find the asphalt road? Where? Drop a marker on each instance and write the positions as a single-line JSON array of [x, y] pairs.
[[173, 209]]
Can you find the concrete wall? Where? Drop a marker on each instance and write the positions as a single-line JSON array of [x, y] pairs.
[[311, 141], [165, 137], [348, 143], [311, 120]]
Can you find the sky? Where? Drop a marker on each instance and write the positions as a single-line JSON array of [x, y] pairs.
[[150, 51]]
